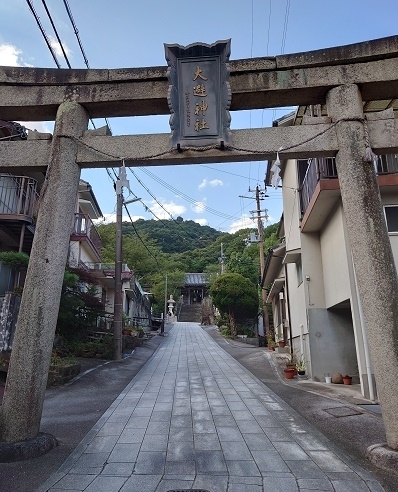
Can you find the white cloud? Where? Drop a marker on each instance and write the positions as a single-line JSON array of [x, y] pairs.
[[199, 207], [10, 56], [40, 126], [201, 222], [57, 47], [109, 218], [243, 223], [213, 183], [170, 208]]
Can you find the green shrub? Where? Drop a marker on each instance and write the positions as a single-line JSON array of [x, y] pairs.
[[56, 360], [226, 332]]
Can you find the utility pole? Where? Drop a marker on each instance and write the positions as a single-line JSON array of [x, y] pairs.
[[165, 309], [118, 299], [118, 307], [260, 195], [261, 251], [222, 260]]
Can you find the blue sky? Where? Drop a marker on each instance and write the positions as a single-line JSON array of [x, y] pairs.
[[132, 33]]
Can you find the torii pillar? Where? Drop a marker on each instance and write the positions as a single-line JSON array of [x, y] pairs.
[[372, 254], [30, 359]]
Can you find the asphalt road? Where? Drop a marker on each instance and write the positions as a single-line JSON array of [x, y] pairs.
[[71, 411]]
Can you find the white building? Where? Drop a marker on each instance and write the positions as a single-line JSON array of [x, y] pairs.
[[313, 289]]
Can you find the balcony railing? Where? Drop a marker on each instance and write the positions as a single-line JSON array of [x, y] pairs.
[[325, 168], [18, 195], [320, 168], [387, 164], [107, 266], [83, 226]]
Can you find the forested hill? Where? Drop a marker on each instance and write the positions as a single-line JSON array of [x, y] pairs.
[[174, 236]]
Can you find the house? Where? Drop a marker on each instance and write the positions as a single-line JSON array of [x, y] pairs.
[[19, 203], [310, 273]]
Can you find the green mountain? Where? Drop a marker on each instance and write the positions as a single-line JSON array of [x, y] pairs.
[[174, 236]]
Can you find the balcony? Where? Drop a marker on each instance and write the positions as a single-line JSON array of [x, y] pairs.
[[320, 189], [18, 200], [84, 230]]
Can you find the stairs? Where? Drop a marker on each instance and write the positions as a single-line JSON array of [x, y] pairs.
[[191, 313]]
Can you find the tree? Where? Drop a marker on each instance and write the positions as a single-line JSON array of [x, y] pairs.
[[246, 263], [80, 305], [235, 296], [18, 262], [175, 280]]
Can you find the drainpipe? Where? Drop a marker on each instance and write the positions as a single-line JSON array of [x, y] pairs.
[[368, 362], [288, 310], [302, 339]]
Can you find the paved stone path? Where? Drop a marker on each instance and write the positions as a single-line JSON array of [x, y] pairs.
[[194, 418]]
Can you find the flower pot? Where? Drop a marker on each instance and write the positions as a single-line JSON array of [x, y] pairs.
[[289, 373], [301, 373], [292, 366], [347, 379], [328, 379]]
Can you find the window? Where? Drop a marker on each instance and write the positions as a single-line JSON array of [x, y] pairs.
[[299, 270], [391, 213]]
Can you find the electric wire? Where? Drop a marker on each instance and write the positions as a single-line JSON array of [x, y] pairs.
[[43, 32], [285, 26], [69, 12], [139, 237], [76, 31], [184, 196], [56, 33], [163, 208]]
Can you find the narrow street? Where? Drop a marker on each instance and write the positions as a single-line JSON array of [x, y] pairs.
[[194, 418]]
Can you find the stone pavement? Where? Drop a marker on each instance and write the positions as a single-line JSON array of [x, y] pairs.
[[194, 418]]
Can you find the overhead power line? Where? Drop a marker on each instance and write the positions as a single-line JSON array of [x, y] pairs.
[[139, 237], [56, 33], [43, 32], [68, 10], [285, 25], [184, 196]]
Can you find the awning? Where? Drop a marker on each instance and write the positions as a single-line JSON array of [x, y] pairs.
[[292, 256], [273, 264], [276, 287]]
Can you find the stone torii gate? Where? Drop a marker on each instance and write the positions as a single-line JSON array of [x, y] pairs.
[[358, 86]]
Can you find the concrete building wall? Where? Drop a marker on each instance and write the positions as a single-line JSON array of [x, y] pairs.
[[291, 207], [296, 301], [334, 260], [332, 343], [312, 261]]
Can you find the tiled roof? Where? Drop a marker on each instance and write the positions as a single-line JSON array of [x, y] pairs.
[[196, 279]]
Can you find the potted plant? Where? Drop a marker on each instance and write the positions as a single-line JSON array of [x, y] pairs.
[[300, 366], [291, 363], [347, 379], [290, 372], [127, 330], [270, 341]]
